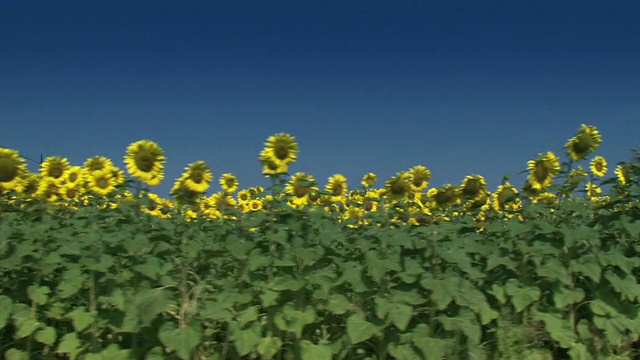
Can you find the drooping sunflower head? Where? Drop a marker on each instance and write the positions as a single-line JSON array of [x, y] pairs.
[[369, 179], [505, 198], [12, 170], [445, 196], [145, 161], [622, 172], [542, 170], [419, 177], [97, 163], [281, 148], [197, 177], [584, 143], [270, 166], [229, 183], [478, 201], [472, 186], [299, 188], [599, 166], [54, 167], [337, 187], [398, 186]]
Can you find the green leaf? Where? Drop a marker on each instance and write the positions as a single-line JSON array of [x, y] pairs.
[[249, 314], [269, 297], [257, 260], [268, 347], [358, 329], [6, 306], [112, 351], [137, 244], [182, 340], [338, 304], [588, 266], [403, 352], [81, 319], [152, 302], [431, 348], [104, 263], [294, 320], [401, 315], [70, 346], [580, 351], [521, 297], [283, 283], [46, 336], [564, 297], [15, 354], [71, 282], [311, 351], [442, 291], [38, 294], [559, 329], [23, 320], [245, 340], [554, 270]]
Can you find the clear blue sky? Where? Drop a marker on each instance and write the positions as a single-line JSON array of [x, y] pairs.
[[461, 87]]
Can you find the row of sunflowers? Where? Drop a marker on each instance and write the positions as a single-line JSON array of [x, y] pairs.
[[61, 183]]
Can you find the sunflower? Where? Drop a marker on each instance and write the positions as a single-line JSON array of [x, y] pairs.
[[419, 177], [229, 183], [158, 207], [181, 194], [271, 167], [118, 175], [101, 182], [299, 187], [145, 161], [506, 198], [599, 166], [254, 205], [197, 177], [70, 192], [542, 170], [473, 186], [12, 170], [584, 143], [217, 204], [97, 163], [593, 191], [281, 148], [74, 176], [337, 188], [477, 201], [31, 184], [444, 197], [622, 172], [48, 189], [54, 167], [369, 179], [398, 186], [545, 198]]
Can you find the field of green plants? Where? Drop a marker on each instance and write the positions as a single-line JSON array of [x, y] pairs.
[[94, 265]]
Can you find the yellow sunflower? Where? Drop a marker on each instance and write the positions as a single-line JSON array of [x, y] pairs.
[[97, 163], [74, 176], [398, 186], [542, 170], [368, 180], [197, 176], [299, 188], [54, 167], [419, 177], [101, 182], [145, 161], [229, 183], [337, 188], [216, 205], [444, 197], [254, 205], [584, 143], [70, 192], [599, 166], [593, 191], [48, 189], [31, 184], [506, 198], [12, 170], [183, 195], [118, 175], [281, 148], [271, 167], [473, 186], [622, 172], [478, 201], [244, 196], [545, 198]]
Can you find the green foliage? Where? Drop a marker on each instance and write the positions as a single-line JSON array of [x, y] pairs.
[[285, 283]]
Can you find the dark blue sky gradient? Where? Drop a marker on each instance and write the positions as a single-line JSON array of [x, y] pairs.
[[461, 87]]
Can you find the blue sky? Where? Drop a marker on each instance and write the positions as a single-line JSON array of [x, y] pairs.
[[462, 87]]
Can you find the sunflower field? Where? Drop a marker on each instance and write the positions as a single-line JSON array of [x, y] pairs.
[[95, 265]]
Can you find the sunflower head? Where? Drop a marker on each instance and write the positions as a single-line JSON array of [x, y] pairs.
[[623, 174], [506, 198], [229, 183], [398, 186], [270, 167], [584, 143], [598, 166], [12, 170], [197, 177], [419, 177], [101, 182], [299, 188], [97, 163], [542, 170], [444, 197], [145, 161], [281, 148], [54, 167], [337, 187], [472, 186], [369, 179]]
